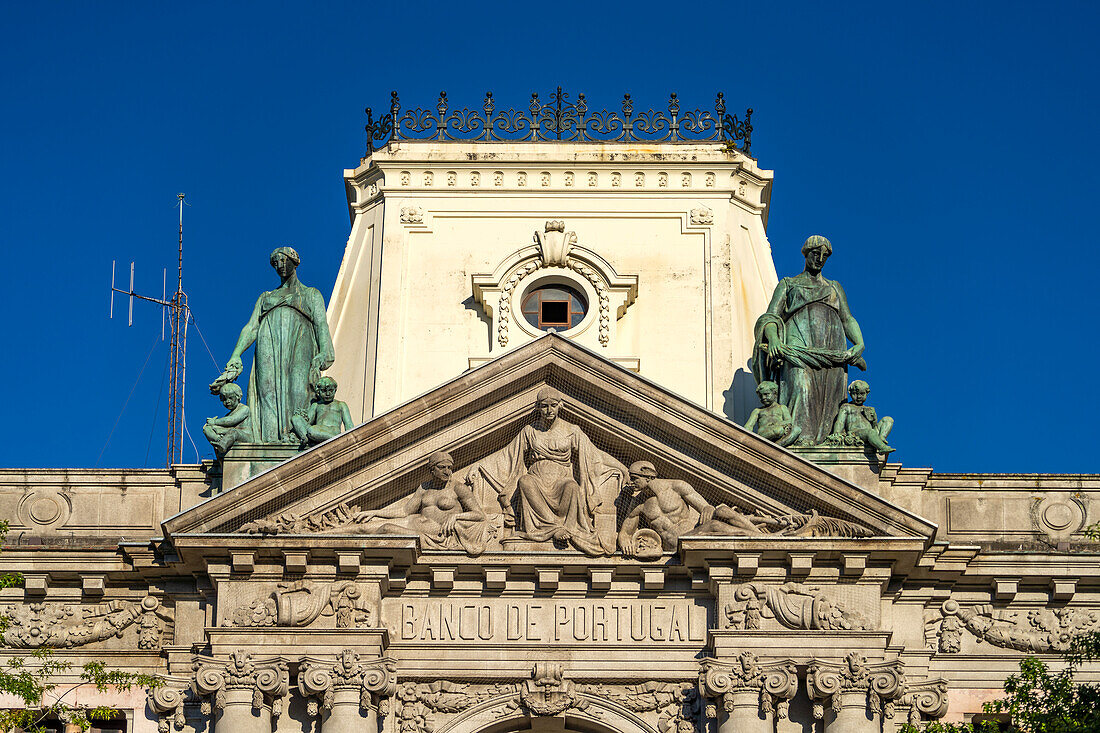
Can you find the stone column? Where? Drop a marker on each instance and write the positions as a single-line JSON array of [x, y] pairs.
[[237, 714], [753, 694], [243, 694], [346, 715], [859, 694], [346, 691]]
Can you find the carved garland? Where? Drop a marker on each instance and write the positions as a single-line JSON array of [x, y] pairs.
[[66, 625], [1041, 630]]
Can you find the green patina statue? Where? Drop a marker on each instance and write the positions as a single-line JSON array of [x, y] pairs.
[[801, 344], [223, 432], [772, 420], [324, 416], [859, 421], [293, 346]]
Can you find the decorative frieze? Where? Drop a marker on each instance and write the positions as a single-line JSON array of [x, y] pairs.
[[794, 605], [64, 625]]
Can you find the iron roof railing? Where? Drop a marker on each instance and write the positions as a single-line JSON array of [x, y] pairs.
[[559, 120]]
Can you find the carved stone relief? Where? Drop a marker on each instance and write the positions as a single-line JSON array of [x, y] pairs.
[[300, 604], [422, 707], [1037, 630], [64, 625], [794, 605]]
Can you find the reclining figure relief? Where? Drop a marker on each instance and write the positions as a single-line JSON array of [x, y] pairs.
[[442, 510]]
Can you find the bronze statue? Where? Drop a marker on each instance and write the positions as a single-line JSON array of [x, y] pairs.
[[801, 344], [290, 330]]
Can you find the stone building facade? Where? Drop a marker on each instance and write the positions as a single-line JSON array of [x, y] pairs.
[[814, 589]]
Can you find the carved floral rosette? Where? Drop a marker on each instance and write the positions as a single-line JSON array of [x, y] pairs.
[[882, 683], [774, 683], [268, 679], [319, 679], [166, 702]]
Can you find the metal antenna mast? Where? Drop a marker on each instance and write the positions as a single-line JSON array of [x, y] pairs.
[[178, 315]]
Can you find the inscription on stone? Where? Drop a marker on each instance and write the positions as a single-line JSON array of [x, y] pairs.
[[564, 621]]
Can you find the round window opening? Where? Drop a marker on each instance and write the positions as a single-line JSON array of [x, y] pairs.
[[554, 307]]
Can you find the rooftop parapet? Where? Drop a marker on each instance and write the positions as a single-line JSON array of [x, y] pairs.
[[559, 120]]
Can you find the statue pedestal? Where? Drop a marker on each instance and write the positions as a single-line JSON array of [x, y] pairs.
[[857, 465], [245, 460]]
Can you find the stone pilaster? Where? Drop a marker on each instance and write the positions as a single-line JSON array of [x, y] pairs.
[[243, 694], [859, 694], [346, 689], [753, 694]]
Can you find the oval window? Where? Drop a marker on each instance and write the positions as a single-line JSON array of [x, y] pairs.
[[554, 307]]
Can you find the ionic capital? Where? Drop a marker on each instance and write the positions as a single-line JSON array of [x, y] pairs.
[[268, 680], [319, 679], [775, 682], [880, 683]]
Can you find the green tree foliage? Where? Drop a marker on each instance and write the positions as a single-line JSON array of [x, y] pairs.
[[1038, 700], [34, 680]]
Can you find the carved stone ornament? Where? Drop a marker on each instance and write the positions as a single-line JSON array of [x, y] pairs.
[[773, 683], [670, 707], [300, 604], [547, 693], [554, 244], [167, 703], [267, 679], [677, 705], [877, 685], [318, 680], [416, 705], [1038, 630], [702, 216], [925, 700], [794, 605], [65, 625], [412, 215]]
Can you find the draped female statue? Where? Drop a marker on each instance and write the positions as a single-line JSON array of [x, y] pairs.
[[801, 344], [290, 330], [563, 486]]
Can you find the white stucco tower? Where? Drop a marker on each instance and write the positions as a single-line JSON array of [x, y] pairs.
[[651, 254]]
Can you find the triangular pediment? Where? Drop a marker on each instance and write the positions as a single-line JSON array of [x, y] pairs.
[[383, 460]]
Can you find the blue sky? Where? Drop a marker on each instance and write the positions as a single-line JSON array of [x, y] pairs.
[[947, 149]]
